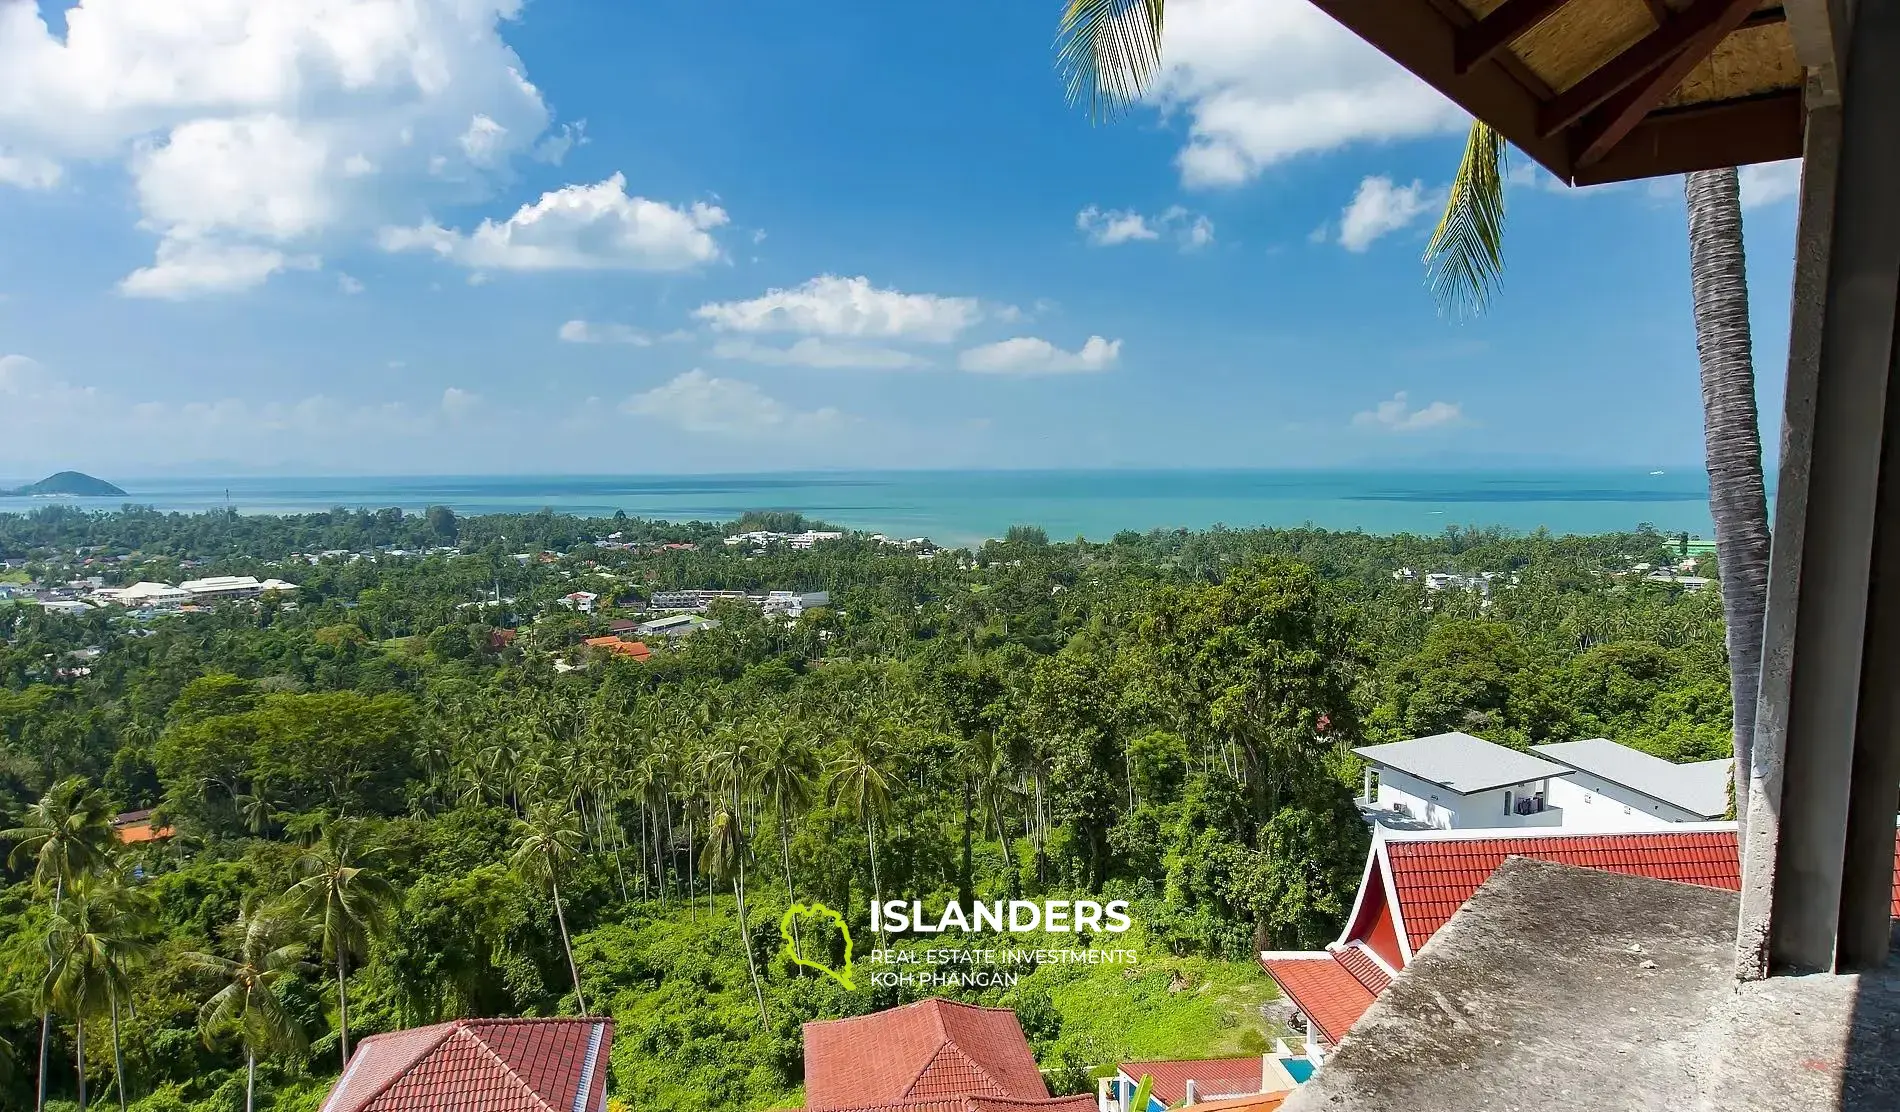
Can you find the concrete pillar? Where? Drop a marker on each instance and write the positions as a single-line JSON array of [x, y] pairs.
[[1827, 722], [1367, 794]]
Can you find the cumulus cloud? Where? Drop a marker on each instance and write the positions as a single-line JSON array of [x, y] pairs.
[[458, 403], [698, 402], [1379, 208], [253, 127], [831, 306], [1111, 227], [1765, 183], [594, 332], [1032, 355], [1396, 414], [577, 227], [815, 351], [187, 267], [348, 284], [1263, 81]]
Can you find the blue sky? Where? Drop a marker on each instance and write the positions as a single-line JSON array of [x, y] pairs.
[[454, 236]]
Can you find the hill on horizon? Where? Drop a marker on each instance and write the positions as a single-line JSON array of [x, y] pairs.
[[74, 483]]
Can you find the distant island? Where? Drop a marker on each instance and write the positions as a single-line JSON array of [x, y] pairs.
[[69, 483]]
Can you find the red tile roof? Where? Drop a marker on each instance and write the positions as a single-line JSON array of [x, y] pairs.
[[1363, 969], [1211, 1077], [1078, 1103], [1263, 1102], [1323, 988], [635, 649], [1433, 877], [928, 1051], [480, 1065]]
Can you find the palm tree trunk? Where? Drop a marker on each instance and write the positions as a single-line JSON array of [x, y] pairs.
[[46, 1010], [877, 892], [343, 1005], [79, 1058], [250, 1079], [118, 1057], [1738, 502], [785, 856], [567, 945]]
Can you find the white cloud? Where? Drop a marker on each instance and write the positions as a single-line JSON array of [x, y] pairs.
[[1765, 183], [554, 148], [1395, 414], [348, 284], [698, 402], [831, 306], [1031, 355], [252, 127], [188, 267], [577, 227], [815, 351], [1380, 207], [1110, 227], [596, 332], [458, 403], [1263, 81]]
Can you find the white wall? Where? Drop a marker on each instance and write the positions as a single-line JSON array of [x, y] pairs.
[[1591, 804], [1445, 809]]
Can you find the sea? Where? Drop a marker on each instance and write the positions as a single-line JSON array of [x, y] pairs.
[[966, 507]]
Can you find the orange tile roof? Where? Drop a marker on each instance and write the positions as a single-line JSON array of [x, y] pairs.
[[1210, 1075], [133, 833], [1260, 1102], [1078, 1103], [1324, 990], [1363, 969], [638, 650], [1433, 877], [932, 1050], [480, 1065]]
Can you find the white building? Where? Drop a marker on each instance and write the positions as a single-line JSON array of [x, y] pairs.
[[583, 601], [144, 595], [793, 604], [796, 540], [1458, 782], [1615, 788], [217, 588]]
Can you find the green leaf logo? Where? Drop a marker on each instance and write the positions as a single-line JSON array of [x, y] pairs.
[[799, 910]]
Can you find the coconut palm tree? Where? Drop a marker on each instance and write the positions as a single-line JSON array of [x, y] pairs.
[[724, 858], [340, 894], [727, 766], [860, 779], [268, 953], [1109, 52], [66, 835], [547, 839], [91, 946], [13, 1006], [788, 775]]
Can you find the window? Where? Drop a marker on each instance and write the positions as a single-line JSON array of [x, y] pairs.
[[1507, 802]]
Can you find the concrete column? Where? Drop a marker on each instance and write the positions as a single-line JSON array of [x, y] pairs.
[[1367, 794], [1828, 627]]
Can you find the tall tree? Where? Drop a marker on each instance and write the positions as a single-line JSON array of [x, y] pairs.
[[348, 903], [546, 840], [788, 775], [249, 1002], [65, 835], [92, 945], [860, 777]]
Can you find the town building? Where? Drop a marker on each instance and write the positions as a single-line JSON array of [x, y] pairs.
[[1614, 787], [1456, 781], [220, 588], [762, 537], [793, 604], [1258, 1081], [632, 650], [582, 601], [133, 827], [476, 1065], [1414, 882], [934, 1055], [675, 625], [144, 595]]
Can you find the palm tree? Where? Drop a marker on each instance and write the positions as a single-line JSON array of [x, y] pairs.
[[858, 777], [66, 835], [549, 838], [1109, 52], [268, 953], [727, 766], [347, 903], [788, 775], [12, 1007], [91, 947]]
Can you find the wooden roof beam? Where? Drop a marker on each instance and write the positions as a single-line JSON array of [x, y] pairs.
[[1506, 23], [1618, 115], [1659, 50]]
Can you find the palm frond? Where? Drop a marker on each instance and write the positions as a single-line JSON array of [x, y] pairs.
[[1464, 262], [1108, 52]]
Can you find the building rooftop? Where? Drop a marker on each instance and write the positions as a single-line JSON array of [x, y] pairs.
[[1322, 987], [1563, 988], [1701, 787], [1212, 1077], [494, 1065], [933, 1050], [1461, 762]]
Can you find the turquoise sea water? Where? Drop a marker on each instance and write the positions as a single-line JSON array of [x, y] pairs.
[[964, 507]]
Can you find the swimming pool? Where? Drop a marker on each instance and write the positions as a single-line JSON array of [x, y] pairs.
[[1298, 1068]]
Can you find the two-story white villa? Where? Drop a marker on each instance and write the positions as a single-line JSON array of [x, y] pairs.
[[1459, 782], [1614, 787]]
